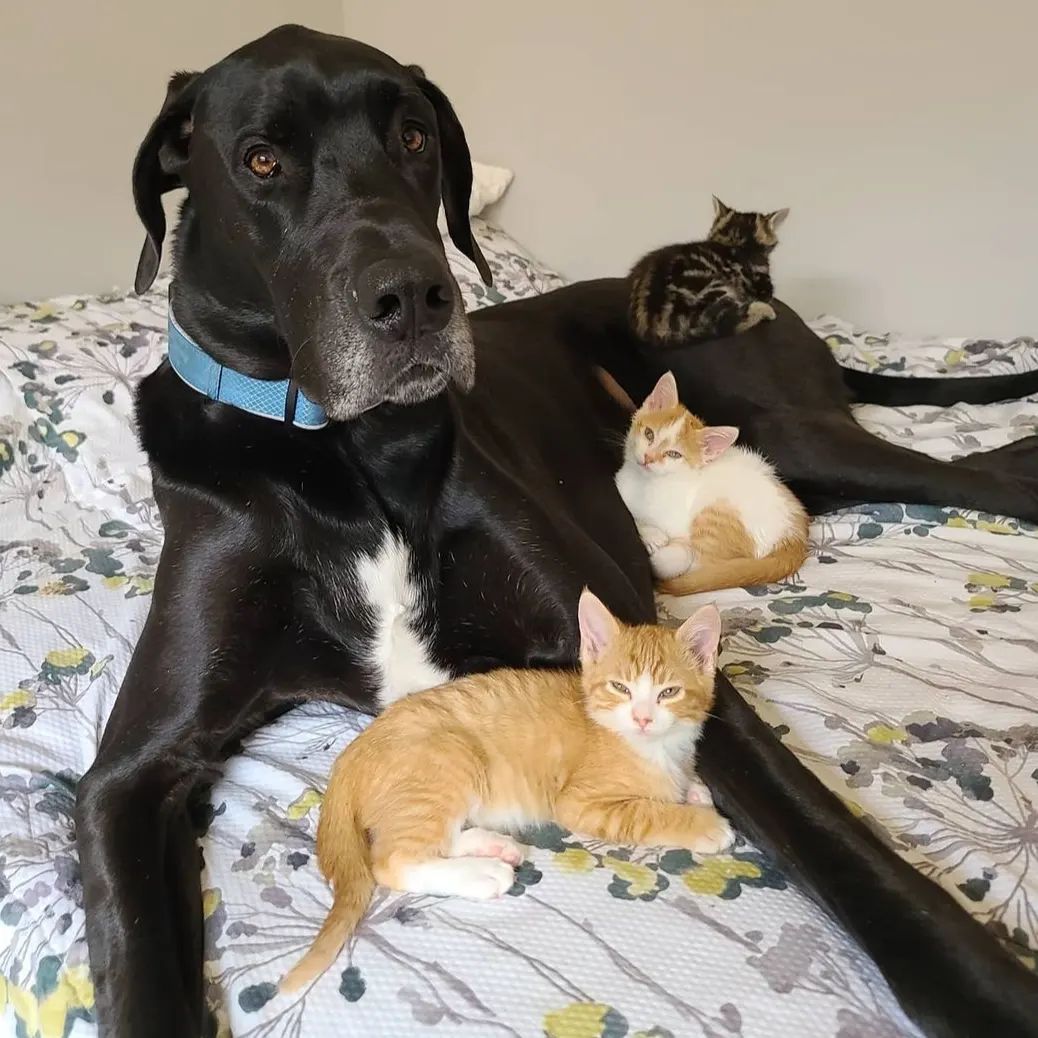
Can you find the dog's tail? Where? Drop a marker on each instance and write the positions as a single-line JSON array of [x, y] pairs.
[[900, 391], [342, 848], [785, 558]]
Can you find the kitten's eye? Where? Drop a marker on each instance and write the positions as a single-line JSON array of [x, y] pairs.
[[673, 454], [262, 161], [618, 686], [649, 436], [413, 138], [668, 693]]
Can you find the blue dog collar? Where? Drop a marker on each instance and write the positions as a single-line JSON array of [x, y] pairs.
[[283, 401]]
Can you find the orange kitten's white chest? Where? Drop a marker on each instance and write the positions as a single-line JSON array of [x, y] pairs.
[[669, 758], [665, 502]]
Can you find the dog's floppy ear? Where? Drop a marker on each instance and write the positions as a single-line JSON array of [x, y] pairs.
[[157, 168], [456, 178]]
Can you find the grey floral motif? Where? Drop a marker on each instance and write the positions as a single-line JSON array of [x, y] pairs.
[[898, 354], [898, 665], [804, 958]]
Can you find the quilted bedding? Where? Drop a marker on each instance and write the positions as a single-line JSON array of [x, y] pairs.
[[899, 665]]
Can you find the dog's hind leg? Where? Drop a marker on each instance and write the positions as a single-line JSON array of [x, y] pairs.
[[868, 387], [1019, 459], [830, 460]]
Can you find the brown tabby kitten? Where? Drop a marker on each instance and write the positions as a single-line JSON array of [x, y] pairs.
[[707, 289], [604, 751]]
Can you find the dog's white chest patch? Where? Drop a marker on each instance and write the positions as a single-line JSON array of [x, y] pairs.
[[398, 656]]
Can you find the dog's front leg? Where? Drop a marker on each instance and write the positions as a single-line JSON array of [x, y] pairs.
[[141, 885], [218, 656], [168, 733]]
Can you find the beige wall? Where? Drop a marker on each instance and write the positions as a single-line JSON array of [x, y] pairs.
[[80, 81], [902, 133]]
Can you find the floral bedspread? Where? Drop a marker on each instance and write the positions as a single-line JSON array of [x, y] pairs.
[[899, 664]]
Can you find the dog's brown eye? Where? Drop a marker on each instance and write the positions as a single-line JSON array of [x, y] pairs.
[[618, 686], [262, 162], [673, 454], [413, 139], [649, 436]]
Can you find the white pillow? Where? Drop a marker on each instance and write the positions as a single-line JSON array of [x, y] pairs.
[[489, 183]]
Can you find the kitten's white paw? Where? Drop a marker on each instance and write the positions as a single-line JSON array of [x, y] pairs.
[[653, 538], [714, 834], [481, 878], [671, 561], [755, 313], [483, 843], [698, 794], [485, 878]]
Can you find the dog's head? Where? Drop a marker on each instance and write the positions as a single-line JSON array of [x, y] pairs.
[[315, 166]]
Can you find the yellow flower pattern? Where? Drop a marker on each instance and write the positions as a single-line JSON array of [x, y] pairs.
[[47, 1016], [303, 804]]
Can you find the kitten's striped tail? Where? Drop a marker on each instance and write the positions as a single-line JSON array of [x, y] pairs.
[[342, 848], [785, 558]]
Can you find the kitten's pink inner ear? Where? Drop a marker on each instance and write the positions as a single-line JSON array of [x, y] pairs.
[[714, 440], [598, 626], [701, 632], [663, 395]]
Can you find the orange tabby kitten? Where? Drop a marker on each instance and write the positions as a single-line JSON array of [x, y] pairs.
[[711, 515], [603, 751]]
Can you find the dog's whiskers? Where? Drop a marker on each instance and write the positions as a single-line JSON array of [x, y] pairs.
[[717, 717], [295, 354]]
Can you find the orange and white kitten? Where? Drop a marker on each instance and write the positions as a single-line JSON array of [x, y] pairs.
[[711, 515], [604, 751]]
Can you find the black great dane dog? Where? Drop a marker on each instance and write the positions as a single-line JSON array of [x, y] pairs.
[[447, 517]]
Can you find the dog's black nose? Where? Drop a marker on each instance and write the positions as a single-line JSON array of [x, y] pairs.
[[404, 301]]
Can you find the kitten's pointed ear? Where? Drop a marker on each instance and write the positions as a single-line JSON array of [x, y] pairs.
[[714, 440], [720, 209], [701, 635], [598, 627], [663, 395], [777, 218]]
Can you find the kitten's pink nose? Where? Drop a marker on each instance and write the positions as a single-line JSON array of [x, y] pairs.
[[642, 722]]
